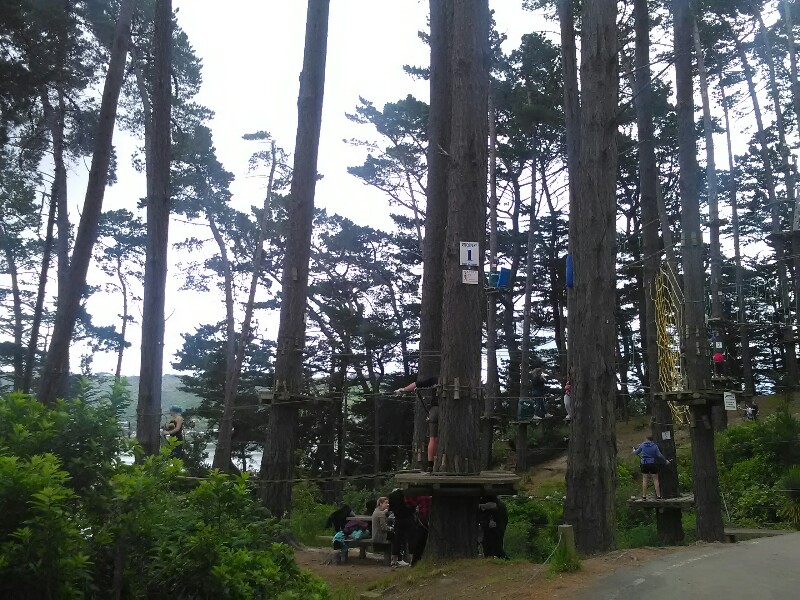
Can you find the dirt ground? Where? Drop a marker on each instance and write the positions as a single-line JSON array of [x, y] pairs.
[[468, 579]]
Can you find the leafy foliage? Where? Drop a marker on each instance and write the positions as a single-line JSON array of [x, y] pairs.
[[75, 520]]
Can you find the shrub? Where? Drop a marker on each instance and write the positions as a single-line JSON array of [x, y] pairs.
[[307, 520], [789, 504]]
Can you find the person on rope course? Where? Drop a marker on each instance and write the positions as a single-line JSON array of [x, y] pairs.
[[539, 389], [650, 456], [432, 410], [719, 363], [568, 396]]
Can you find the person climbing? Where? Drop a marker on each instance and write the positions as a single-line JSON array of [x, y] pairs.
[[649, 464], [719, 363], [493, 520], [568, 396], [539, 391], [403, 529], [174, 429], [432, 410], [379, 524]]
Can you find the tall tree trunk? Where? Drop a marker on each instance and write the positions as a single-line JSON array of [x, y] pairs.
[[787, 14], [718, 413], [277, 464], [788, 176], [148, 411], [222, 454], [33, 343], [557, 269], [452, 531], [54, 375], [16, 302], [668, 522], [789, 353], [704, 466], [572, 114], [492, 384], [430, 326], [525, 344], [54, 116], [744, 329], [591, 461], [123, 286]]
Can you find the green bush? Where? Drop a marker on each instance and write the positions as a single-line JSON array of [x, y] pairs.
[[789, 504], [75, 521], [307, 520], [532, 531], [753, 458]]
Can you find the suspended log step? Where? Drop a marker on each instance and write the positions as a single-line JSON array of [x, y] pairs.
[[288, 400], [692, 398], [682, 502], [492, 418], [485, 483]]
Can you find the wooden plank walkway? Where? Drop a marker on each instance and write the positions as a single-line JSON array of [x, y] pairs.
[[682, 502]]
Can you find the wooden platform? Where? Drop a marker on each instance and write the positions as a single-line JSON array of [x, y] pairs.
[[526, 422], [681, 502], [287, 400], [692, 398], [491, 483]]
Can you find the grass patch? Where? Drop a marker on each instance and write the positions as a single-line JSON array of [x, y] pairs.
[[563, 561]]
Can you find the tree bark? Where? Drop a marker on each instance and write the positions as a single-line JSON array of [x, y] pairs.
[[525, 350], [148, 411], [718, 412], [668, 522], [430, 341], [787, 14], [452, 530], [56, 370], [492, 383], [54, 116], [222, 455], [123, 284], [572, 115], [277, 464], [704, 466], [789, 353], [788, 176], [33, 343], [744, 329], [591, 461], [16, 302]]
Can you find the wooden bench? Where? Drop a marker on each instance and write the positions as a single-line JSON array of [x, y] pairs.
[[362, 544]]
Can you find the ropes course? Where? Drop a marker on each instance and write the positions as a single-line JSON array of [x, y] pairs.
[[668, 302]]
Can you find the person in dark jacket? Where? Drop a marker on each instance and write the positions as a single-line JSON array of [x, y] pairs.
[[539, 391], [403, 529], [338, 518], [493, 520], [650, 461]]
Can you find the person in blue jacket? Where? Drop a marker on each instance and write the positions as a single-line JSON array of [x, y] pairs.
[[651, 460]]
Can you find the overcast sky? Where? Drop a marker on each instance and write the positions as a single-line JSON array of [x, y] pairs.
[[252, 54]]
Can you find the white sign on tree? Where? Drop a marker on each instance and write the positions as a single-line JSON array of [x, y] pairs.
[[470, 253], [730, 400]]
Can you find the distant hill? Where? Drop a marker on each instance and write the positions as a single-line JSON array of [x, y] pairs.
[[170, 394]]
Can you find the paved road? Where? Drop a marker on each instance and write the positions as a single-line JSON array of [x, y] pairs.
[[759, 569]]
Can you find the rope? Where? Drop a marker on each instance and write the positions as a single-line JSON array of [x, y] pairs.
[[668, 302]]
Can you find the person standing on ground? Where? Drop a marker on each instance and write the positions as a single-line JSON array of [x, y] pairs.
[[433, 413], [650, 456], [379, 524], [403, 529], [493, 520]]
